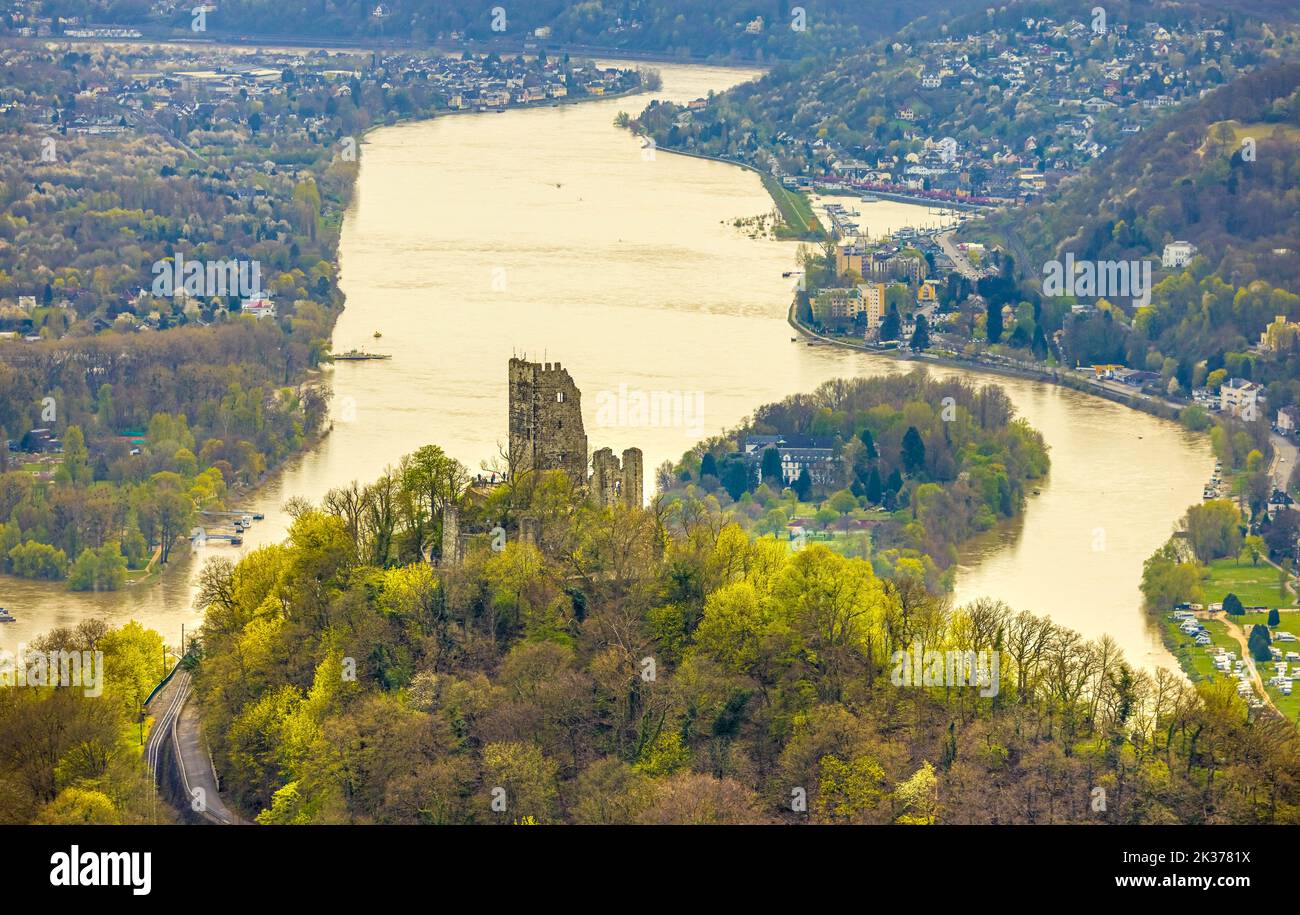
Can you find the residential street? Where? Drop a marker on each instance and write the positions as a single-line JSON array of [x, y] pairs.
[[1284, 458], [958, 258]]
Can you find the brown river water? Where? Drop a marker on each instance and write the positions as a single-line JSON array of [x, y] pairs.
[[551, 233]]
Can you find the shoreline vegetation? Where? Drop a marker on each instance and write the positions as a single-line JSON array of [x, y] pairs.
[[899, 470], [1177, 645], [793, 207], [1224, 608], [1157, 408]]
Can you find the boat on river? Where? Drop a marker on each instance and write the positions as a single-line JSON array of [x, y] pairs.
[[359, 355], [6, 616]]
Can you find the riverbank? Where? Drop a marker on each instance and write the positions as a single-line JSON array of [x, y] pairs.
[[1230, 636], [504, 47], [856, 193], [1026, 371]]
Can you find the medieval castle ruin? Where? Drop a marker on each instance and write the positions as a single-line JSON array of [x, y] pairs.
[[546, 433]]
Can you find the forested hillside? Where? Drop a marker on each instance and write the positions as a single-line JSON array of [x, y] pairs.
[[1221, 173], [660, 666], [750, 29], [71, 749]]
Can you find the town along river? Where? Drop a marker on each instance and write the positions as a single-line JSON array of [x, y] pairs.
[[550, 232]]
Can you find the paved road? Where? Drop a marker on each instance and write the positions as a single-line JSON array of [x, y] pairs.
[[176, 720], [956, 256], [1284, 460]]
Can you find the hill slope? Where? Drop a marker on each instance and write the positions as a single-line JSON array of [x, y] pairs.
[[1223, 173]]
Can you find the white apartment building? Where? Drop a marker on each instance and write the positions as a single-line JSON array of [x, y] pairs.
[[1241, 398], [1178, 254]]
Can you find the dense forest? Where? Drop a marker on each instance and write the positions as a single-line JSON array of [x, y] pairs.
[[211, 414], [70, 754], [747, 29], [660, 666], [920, 463]]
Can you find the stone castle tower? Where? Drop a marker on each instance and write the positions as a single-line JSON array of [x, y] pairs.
[[546, 433], [546, 430], [613, 482]]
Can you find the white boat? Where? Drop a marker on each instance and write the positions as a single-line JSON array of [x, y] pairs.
[[6, 616]]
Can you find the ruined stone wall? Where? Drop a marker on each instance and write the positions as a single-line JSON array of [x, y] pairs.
[[546, 431], [615, 482], [530, 530], [451, 541], [606, 477], [633, 488]]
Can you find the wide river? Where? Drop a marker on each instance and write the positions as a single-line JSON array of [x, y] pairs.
[[551, 233]]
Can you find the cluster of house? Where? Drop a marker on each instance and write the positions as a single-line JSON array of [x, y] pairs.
[[471, 84], [900, 257], [1094, 84], [189, 87], [983, 173], [31, 19], [1238, 397]]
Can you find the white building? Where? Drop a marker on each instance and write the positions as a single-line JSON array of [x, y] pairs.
[[1240, 398], [258, 308], [817, 461], [1288, 419], [1178, 254]]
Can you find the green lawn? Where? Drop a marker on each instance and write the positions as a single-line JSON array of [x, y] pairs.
[[1288, 621], [1289, 706], [795, 208], [1193, 659], [1255, 585], [1258, 131]]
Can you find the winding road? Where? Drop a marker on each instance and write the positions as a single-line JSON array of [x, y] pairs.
[[177, 725]]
